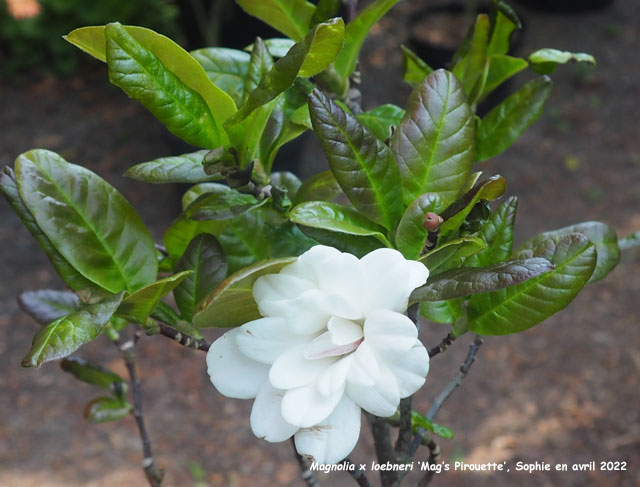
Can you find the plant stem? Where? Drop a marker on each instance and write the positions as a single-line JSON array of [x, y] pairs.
[[306, 473], [182, 339], [444, 344], [382, 442], [357, 474], [434, 454], [154, 474]]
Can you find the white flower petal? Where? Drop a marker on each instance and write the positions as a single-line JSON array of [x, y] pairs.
[[231, 372], [292, 369], [388, 332], [382, 399], [266, 415], [309, 264], [410, 370], [333, 378], [322, 347], [333, 439], [365, 369], [306, 407], [391, 279], [343, 275], [344, 331], [271, 290], [305, 315], [337, 305], [264, 340]]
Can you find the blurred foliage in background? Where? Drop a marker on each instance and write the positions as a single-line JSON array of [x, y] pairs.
[[31, 32]]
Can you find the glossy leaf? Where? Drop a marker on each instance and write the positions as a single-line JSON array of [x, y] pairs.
[[62, 337], [105, 409], [545, 61], [205, 259], [320, 187], [363, 166], [277, 46], [291, 17], [502, 27], [325, 9], [186, 168], [411, 233], [451, 254], [222, 204], [93, 374], [502, 126], [488, 190], [520, 307], [183, 230], [471, 67], [165, 313], [420, 421], [137, 307], [355, 34], [464, 281], [232, 303], [445, 312], [306, 58], [497, 233], [46, 305], [336, 218], [501, 68], [171, 55], [141, 75], [69, 274], [245, 240], [414, 69], [287, 180], [226, 68], [87, 220], [434, 143], [380, 120], [601, 235], [630, 241]]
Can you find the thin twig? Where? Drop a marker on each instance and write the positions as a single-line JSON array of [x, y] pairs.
[[444, 344], [457, 380], [382, 441], [357, 474], [182, 339], [434, 454], [306, 473], [154, 474]]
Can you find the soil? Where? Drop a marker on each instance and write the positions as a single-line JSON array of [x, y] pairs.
[[566, 391]]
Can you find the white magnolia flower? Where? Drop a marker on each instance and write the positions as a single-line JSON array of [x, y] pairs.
[[333, 340]]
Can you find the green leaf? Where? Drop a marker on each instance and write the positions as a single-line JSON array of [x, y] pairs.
[[288, 180], [244, 239], [306, 58], [420, 421], [520, 307], [470, 68], [463, 281], [502, 27], [291, 17], [455, 215], [414, 69], [322, 186], [502, 126], [165, 313], [363, 166], [183, 230], [277, 46], [545, 61], [380, 120], [138, 306], [69, 274], [93, 374], [411, 233], [222, 204], [630, 241], [497, 233], [501, 68], [62, 337], [46, 305], [105, 409], [186, 168], [226, 68], [246, 135], [141, 75], [171, 55], [445, 312], [336, 218], [205, 258], [355, 34], [601, 235], [434, 143], [231, 303], [451, 254], [88, 221], [325, 9]]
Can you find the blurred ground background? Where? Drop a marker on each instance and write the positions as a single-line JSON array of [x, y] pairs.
[[566, 391]]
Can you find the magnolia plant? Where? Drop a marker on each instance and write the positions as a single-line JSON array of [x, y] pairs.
[[323, 283]]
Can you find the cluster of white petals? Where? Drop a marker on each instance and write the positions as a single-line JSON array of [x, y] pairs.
[[333, 340]]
